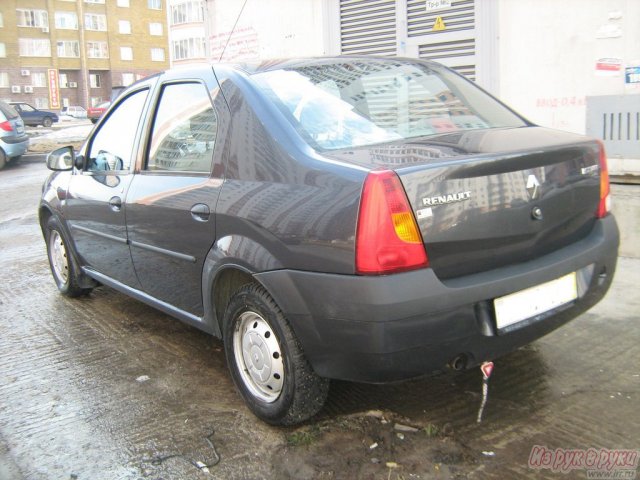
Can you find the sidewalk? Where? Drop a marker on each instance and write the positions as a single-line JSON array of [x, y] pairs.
[[626, 208]]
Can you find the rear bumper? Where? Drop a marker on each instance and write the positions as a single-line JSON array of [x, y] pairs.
[[395, 327], [14, 146]]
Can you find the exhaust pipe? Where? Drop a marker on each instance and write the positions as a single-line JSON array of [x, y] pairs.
[[459, 363]]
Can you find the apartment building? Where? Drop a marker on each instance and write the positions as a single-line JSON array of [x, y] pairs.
[[187, 35], [56, 53]]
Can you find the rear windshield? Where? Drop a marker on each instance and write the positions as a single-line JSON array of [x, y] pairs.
[[354, 103], [8, 111]]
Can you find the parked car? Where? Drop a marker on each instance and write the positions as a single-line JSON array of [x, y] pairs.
[[34, 117], [364, 219], [74, 111], [14, 142], [94, 113]]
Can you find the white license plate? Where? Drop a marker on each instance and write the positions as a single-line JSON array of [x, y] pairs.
[[533, 301]]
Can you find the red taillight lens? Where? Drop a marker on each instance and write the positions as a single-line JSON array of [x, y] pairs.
[[604, 206], [6, 126], [387, 239]]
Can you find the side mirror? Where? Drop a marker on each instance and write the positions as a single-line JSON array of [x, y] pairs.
[[61, 159]]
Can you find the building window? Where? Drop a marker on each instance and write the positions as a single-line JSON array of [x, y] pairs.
[[95, 21], [154, 4], [65, 103], [69, 49], [63, 80], [32, 18], [127, 79], [38, 79], [97, 50], [188, 48], [35, 47], [4, 80], [66, 20], [123, 3], [187, 12], [93, 1], [3, 50], [126, 53], [94, 80], [155, 29], [157, 54], [124, 26], [42, 103]]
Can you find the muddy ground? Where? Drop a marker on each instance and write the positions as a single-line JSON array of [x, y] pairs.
[[104, 387]]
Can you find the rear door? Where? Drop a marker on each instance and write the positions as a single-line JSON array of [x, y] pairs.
[[95, 206], [172, 200]]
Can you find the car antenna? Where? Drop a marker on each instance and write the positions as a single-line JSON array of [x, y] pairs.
[[232, 30]]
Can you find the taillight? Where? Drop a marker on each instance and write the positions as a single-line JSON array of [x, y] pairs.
[[604, 206], [387, 238], [6, 126]]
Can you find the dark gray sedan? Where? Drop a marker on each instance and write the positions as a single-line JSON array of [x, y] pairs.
[[365, 219]]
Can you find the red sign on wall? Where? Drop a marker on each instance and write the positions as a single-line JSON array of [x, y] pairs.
[[54, 88]]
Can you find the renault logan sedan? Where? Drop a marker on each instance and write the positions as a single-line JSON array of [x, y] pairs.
[[365, 219]]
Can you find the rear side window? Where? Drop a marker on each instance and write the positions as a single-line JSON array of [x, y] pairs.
[[184, 130], [8, 111]]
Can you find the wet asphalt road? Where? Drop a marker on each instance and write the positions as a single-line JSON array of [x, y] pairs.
[[104, 387]]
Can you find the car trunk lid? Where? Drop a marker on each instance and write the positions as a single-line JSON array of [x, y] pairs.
[[486, 199]]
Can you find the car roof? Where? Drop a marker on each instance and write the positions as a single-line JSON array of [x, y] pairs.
[[250, 68], [278, 64]]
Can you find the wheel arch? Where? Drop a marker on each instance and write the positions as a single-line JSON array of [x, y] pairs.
[[231, 263], [45, 212]]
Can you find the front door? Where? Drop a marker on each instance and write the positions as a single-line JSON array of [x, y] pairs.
[[95, 202], [172, 200]]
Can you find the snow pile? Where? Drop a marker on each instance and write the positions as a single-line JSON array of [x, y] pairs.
[[60, 137]]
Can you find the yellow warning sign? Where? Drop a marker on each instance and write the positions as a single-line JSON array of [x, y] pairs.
[[439, 25]]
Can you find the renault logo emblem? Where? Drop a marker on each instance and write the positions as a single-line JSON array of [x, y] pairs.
[[533, 187]]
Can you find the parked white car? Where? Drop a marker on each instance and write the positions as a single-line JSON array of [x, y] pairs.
[[75, 111]]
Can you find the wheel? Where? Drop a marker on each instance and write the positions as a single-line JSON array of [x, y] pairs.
[[266, 361], [47, 122], [62, 266], [94, 120], [3, 159]]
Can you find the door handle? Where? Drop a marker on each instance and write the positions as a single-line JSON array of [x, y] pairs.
[[200, 212], [115, 203]]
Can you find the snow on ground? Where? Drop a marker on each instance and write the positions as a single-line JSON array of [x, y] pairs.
[[47, 140]]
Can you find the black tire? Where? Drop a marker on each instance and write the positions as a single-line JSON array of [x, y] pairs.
[[63, 268], [94, 120], [298, 393], [47, 122], [3, 159]]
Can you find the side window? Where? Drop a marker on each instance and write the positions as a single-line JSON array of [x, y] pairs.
[[184, 130], [112, 145]]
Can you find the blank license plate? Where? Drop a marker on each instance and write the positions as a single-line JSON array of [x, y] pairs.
[[533, 301]]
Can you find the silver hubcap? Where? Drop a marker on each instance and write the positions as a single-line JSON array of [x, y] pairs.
[[257, 352], [58, 254]]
